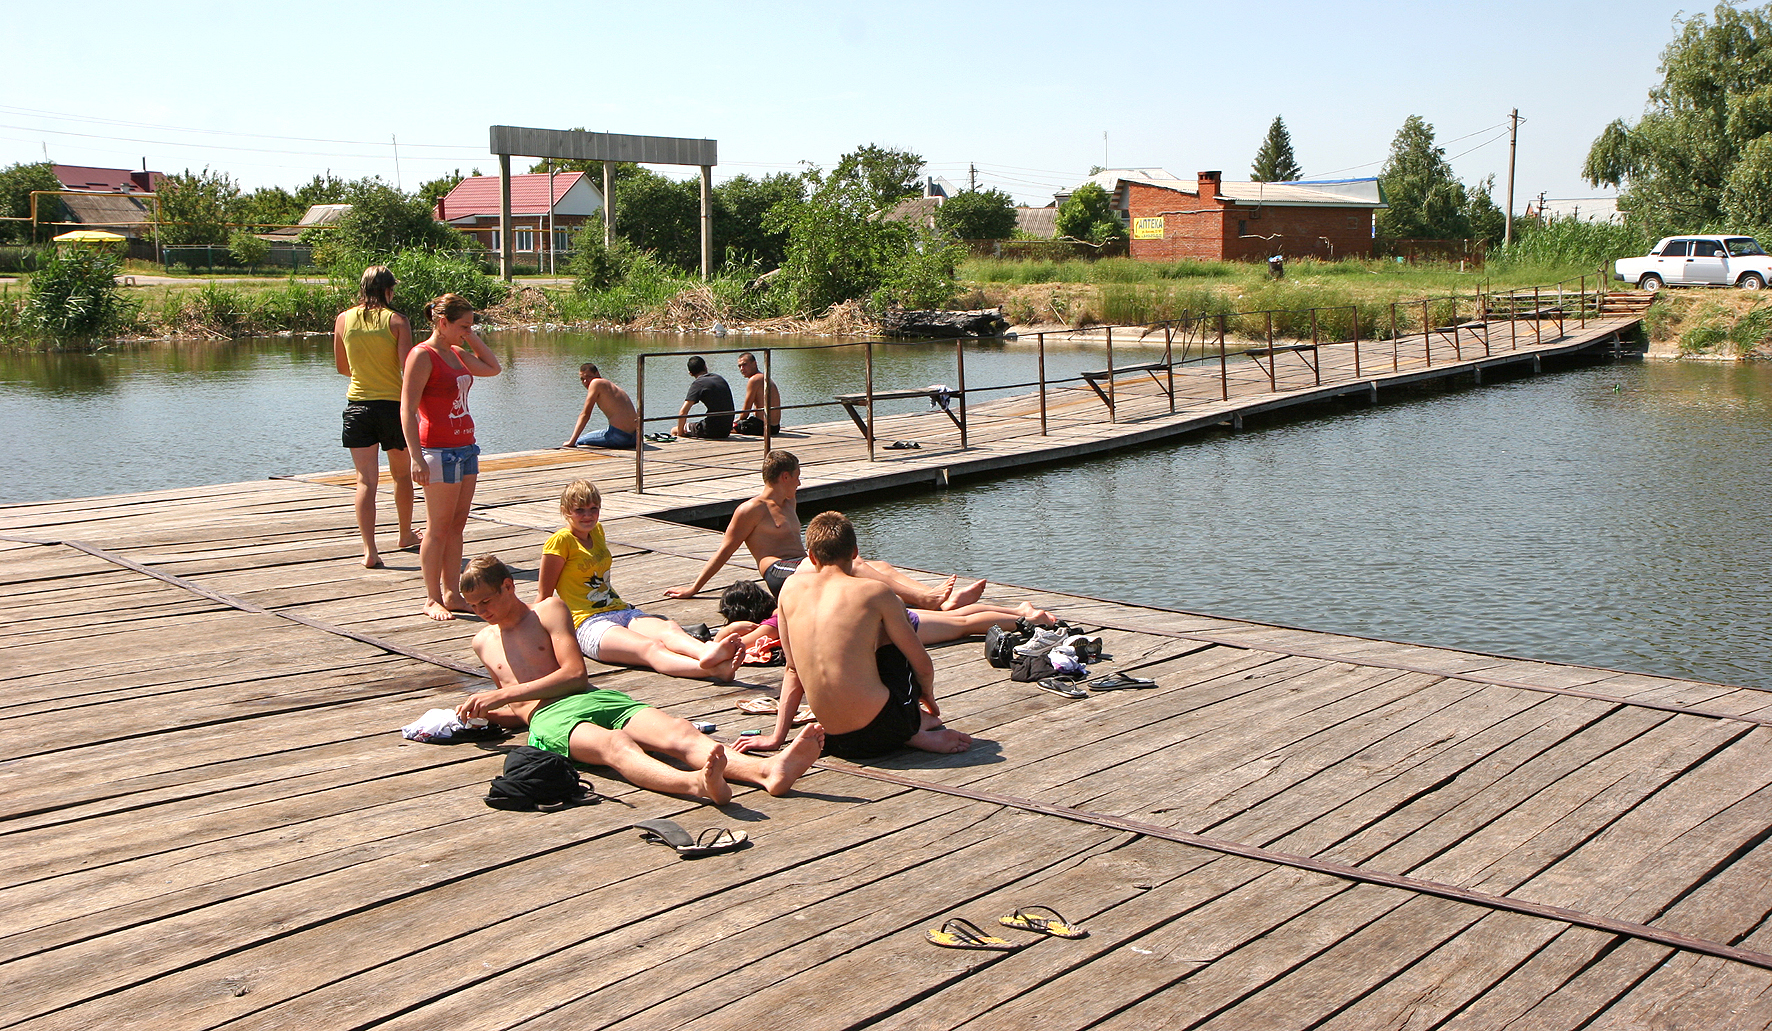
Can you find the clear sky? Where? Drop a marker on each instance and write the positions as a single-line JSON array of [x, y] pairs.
[[276, 93]]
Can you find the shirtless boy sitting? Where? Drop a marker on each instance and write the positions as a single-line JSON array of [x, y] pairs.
[[618, 408], [854, 656], [538, 679], [769, 525]]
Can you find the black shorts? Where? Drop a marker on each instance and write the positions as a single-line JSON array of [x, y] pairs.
[[702, 429], [374, 424], [898, 720], [778, 574], [753, 427]]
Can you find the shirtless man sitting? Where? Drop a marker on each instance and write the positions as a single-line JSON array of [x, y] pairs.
[[618, 408], [538, 678], [853, 655], [761, 399], [769, 525]]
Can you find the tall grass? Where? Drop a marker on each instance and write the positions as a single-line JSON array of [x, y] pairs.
[[1563, 244]]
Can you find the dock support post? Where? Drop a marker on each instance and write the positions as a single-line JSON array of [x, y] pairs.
[[1113, 415], [960, 364], [1040, 338], [707, 227], [870, 388], [1372, 392], [1273, 382], [1237, 422], [608, 202], [1427, 345], [1169, 361], [1396, 362], [1537, 364], [1224, 375], [1356, 311], [504, 216], [640, 425], [1477, 375]]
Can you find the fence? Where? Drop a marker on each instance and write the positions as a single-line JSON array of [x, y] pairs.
[[1470, 252], [210, 257], [1043, 250], [1451, 322]]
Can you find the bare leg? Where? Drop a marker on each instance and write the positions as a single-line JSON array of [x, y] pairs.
[[452, 547], [936, 738], [966, 595], [363, 461], [664, 733], [620, 752], [400, 468], [650, 642], [439, 554], [915, 594], [937, 627]]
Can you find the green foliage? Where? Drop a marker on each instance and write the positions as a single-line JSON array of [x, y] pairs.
[[434, 190], [662, 216], [382, 220], [1088, 214], [74, 296], [1484, 220], [1426, 200], [1565, 244], [883, 175], [24, 259], [1107, 270], [1697, 158], [741, 206], [977, 215], [922, 278], [16, 184], [247, 249], [422, 275], [593, 265], [1275, 162], [267, 207], [195, 207]]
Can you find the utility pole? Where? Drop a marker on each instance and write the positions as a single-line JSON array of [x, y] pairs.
[[398, 185], [972, 177], [1513, 144]]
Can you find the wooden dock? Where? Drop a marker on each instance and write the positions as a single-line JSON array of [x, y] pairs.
[[210, 820]]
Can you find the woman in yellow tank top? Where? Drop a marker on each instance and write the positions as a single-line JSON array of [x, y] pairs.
[[369, 344]]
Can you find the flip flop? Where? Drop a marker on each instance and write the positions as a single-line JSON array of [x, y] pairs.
[[759, 706], [707, 843], [904, 445], [804, 715], [1025, 919], [1062, 687], [1120, 682], [964, 934]]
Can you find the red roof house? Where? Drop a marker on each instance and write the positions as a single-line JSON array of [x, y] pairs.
[[472, 207]]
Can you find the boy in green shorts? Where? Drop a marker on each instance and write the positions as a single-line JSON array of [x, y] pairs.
[[538, 678]]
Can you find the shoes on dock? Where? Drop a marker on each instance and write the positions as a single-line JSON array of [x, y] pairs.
[[960, 933]]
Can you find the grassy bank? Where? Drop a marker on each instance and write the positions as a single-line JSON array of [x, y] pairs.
[[1725, 324]]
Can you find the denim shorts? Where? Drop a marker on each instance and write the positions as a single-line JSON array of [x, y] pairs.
[[591, 631], [452, 464]]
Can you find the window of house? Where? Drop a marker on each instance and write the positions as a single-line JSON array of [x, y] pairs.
[[497, 242], [562, 239], [525, 239], [1242, 227]]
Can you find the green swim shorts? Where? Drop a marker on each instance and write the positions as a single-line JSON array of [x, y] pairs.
[[551, 727]]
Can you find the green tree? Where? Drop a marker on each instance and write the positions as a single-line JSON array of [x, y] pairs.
[[1695, 158], [382, 222], [16, 184], [662, 216], [269, 206], [322, 189], [741, 206], [1485, 220], [247, 249], [436, 189], [977, 215], [1275, 162], [73, 296], [196, 207], [1088, 214], [884, 175], [1426, 200]]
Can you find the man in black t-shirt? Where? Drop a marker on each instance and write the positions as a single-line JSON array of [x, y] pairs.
[[711, 390]]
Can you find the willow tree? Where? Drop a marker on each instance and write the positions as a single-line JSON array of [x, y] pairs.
[[1700, 156], [1275, 162]]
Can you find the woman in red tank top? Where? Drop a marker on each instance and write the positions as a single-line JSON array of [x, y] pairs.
[[440, 438]]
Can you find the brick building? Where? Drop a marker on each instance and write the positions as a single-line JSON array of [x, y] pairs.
[[472, 207], [1220, 221]]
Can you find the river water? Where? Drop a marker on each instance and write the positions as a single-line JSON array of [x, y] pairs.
[[1613, 515]]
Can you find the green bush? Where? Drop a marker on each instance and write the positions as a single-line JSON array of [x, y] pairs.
[[422, 275], [73, 296], [1569, 243], [24, 259], [248, 250]]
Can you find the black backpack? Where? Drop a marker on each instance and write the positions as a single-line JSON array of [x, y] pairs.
[[1000, 644], [537, 780]]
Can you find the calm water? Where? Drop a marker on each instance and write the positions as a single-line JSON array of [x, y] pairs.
[[1612, 515]]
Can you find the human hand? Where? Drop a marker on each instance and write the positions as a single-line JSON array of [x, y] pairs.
[[679, 592], [756, 743], [926, 698], [421, 471], [477, 705]]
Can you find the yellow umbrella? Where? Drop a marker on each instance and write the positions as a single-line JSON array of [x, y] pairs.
[[94, 236]]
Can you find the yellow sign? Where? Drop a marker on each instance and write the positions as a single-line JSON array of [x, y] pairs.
[[1147, 228]]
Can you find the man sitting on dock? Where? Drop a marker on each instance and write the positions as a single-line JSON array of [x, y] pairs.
[[711, 390], [538, 676], [769, 525], [618, 408], [853, 654], [761, 399]]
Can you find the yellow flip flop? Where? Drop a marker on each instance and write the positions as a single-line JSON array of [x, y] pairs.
[[1026, 919], [964, 934]]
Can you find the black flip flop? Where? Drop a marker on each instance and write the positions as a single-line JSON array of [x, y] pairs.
[[710, 842], [1120, 682], [1061, 687], [904, 445]]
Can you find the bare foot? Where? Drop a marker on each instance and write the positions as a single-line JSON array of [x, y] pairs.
[[938, 596], [1039, 617], [455, 602], [787, 767], [437, 611], [713, 777], [970, 594], [940, 739], [724, 654], [411, 540], [373, 561]]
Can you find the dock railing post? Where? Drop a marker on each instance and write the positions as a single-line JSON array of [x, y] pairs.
[[870, 388], [1113, 415], [1224, 375], [1396, 362], [1427, 344], [960, 363], [1457, 335], [1537, 318], [1273, 383], [1483, 318], [1040, 339], [640, 425], [1584, 302], [1169, 360], [1356, 311], [769, 381]]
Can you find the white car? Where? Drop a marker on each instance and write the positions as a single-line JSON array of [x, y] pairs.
[[1699, 261]]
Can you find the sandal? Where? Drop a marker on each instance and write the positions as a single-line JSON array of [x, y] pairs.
[[904, 445], [1025, 919], [1061, 687], [959, 933], [759, 706], [707, 843], [1120, 682]]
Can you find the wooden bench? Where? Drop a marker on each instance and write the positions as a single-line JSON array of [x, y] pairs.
[[1095, 377], [855, 403]]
